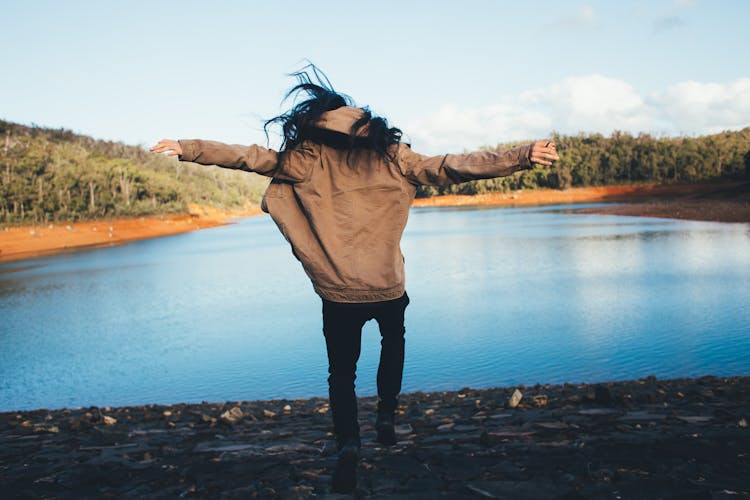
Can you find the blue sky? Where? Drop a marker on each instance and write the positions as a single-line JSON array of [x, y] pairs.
[[453, 75]]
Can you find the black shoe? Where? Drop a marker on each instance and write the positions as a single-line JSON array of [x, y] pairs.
[[345, 474], [385, 428]]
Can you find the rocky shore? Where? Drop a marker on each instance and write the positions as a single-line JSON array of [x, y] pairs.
[[641, 439]]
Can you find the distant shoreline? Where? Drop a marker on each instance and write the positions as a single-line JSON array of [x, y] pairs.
[[722, 202], [26, 242]]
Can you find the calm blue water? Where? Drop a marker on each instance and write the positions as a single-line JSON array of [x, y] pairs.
[[499, 296]]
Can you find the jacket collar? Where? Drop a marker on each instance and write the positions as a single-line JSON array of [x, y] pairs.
[[341, 120]]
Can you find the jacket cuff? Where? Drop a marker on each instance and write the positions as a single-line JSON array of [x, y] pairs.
[[190, 149], [524, 160]]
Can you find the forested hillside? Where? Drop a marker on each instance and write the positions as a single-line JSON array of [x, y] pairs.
[[595, 160], [54, 174]]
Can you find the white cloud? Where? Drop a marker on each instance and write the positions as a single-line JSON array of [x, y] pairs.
[[705, 108], [592, 103]]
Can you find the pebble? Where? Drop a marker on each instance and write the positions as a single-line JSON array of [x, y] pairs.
[[233, 415], [515, 399]]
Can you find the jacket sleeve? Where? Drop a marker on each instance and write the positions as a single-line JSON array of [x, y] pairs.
[[252, 158], [453, 169]]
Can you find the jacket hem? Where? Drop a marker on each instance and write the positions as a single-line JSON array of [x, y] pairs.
[[349, 295]]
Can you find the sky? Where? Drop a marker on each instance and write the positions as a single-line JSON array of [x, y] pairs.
[[454, 76]]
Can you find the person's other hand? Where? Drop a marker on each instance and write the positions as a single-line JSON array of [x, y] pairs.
[[543, 153], [167, 145]]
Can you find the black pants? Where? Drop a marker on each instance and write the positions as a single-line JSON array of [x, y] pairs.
[[342, 327]]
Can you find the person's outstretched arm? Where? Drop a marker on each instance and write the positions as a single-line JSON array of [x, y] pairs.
[[453, 169], [251, 158]]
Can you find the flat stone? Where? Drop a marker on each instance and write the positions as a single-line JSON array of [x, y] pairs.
[[214, 446], [403, 429], [641, 416], [552, 425], [598, 411], [695, 419]]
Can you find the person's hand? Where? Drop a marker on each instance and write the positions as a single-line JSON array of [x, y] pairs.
[[167, 145], [543, 153]]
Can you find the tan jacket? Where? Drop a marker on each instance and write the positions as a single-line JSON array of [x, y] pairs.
[[343, 220]]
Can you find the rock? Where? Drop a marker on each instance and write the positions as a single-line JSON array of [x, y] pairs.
[[233, 415], [446, 427], [552, 425], [515, 399], [597, 411], [642, 415], [109, 420], [297, 492], [742, 423], [403, 429], [287, 408], [540, 400], [697, 419], [53, 429]]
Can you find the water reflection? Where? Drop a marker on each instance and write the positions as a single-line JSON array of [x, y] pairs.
[[499, 296]]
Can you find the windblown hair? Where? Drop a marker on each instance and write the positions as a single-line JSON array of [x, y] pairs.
[[298, 124]]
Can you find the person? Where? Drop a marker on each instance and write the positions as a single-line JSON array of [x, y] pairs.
[[341, 187]]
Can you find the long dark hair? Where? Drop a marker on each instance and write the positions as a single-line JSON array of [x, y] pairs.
[[298, 124]]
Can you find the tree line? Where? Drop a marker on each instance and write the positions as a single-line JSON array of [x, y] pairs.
[[622, 158], [49, 175]]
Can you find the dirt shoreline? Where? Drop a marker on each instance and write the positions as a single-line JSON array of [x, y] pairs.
[[723, 202], [640, 439], [25, 242], [719, 202]]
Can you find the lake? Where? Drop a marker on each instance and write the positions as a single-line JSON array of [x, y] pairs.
[[499, 296]]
